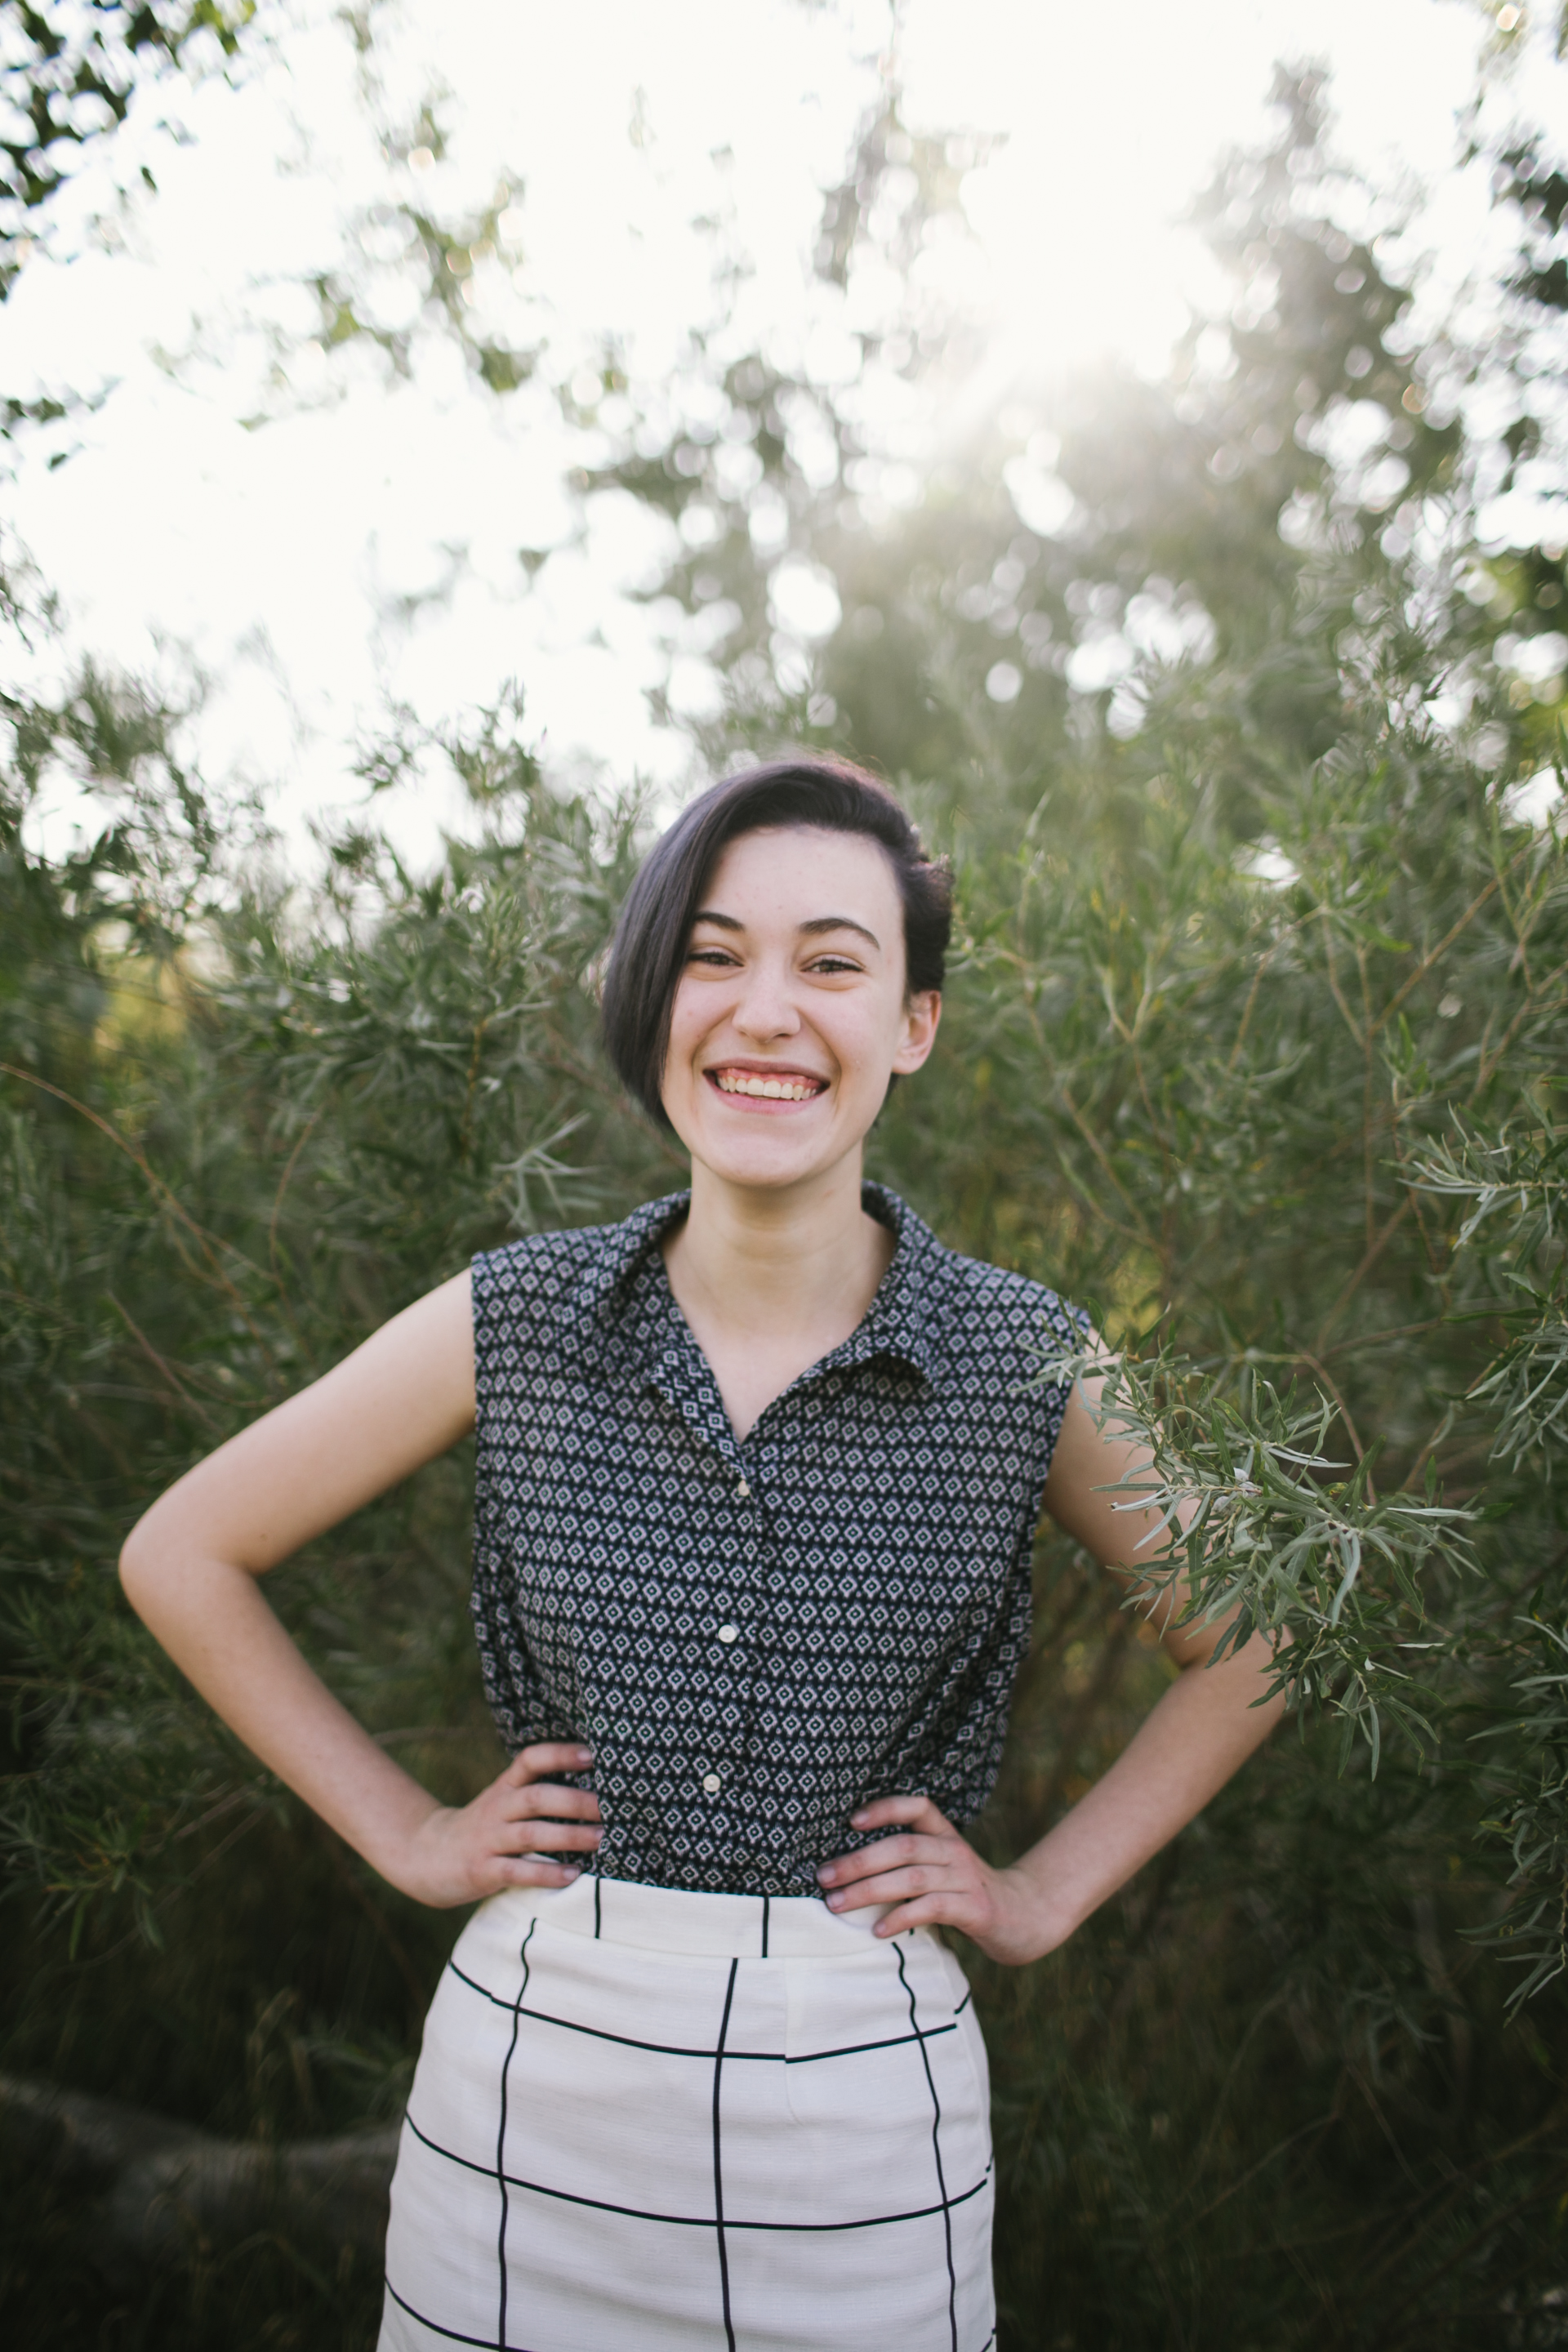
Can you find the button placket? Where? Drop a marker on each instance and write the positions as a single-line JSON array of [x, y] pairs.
[[759, 1638], [707, 1604], [729, 1632]]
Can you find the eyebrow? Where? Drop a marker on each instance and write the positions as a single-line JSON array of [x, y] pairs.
[[817, 924]]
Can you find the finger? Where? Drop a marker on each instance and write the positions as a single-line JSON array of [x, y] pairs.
[[945, 1910], [549, 1797], [887, 1853], [544, 1837], [894, 1886], [909, 1812], [547, 1755], [532, 1871]]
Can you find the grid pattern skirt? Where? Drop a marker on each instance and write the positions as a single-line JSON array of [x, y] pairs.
[[651, 2121]]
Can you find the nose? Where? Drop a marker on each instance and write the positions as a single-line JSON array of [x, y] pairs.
[[766, 1010]]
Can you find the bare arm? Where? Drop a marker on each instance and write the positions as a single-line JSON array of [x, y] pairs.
[[1200, 1732], [191, 1568]]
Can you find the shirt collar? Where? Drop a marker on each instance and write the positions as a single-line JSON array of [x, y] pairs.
[[897, 1322], [894, 1324]]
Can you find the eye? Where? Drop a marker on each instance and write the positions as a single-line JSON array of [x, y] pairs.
[[833, 963], [718, 957]]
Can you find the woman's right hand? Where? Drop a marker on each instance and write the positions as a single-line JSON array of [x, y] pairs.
[[461, 1853]]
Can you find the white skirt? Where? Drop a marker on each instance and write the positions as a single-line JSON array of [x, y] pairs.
[[650, 2121]]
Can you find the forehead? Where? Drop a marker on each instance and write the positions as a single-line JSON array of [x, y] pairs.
[[797, 873]]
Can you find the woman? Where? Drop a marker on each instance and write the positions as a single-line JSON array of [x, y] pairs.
[[758, 1477]]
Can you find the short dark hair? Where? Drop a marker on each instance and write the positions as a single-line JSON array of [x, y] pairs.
[[648, 953]]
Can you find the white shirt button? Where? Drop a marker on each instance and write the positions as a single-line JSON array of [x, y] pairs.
[[742, 1492], [729, 1632], [710, 1783]]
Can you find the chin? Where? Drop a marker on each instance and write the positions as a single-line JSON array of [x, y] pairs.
[[772, 1155], [766, 1169]]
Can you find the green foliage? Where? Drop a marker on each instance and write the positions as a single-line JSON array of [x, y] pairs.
[[69, 77], [442, 254], [1253, 1043], [1253, 1531], [1518, 1187]]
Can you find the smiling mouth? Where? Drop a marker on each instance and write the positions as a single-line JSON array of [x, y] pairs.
[[789, 1086]]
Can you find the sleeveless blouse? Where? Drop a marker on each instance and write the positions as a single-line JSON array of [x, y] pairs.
[[756, 1637]]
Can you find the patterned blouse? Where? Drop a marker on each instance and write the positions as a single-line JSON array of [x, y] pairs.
[[756, 1636]]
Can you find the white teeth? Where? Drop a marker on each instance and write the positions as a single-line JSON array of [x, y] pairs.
[[744, 1081]]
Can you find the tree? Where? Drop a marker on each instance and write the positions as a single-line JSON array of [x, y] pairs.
[[69, 78], [1252, 1044], [69, 71]]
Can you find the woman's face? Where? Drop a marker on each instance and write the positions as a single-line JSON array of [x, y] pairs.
[[790, 1016]]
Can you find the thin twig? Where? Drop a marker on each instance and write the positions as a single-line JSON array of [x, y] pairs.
[[1333, 978], [1488, 1064], [1380, 1242], [1397, 1331], [1106, 1169], [209, 1243], [1446, 941], [1264, 964], [282, 1188], [1368, 1122], [168, 1371], [1321, 2124], [1321, 1372]]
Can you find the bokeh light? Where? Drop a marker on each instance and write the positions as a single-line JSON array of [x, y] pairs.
[[319, 535]]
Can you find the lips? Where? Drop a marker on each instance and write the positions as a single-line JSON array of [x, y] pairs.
[[750, 1085]]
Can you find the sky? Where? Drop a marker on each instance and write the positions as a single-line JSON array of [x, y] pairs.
[[316, 541]]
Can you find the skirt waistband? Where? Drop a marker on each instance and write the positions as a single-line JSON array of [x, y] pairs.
[[675, 1919]]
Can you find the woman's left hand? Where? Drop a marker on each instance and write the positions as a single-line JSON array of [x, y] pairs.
[[933, 1877]]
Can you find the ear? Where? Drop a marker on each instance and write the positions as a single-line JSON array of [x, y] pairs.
[[922, 1014]]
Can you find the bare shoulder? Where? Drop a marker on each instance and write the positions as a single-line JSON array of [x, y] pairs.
[[1090, 1458], [1083, 1460]]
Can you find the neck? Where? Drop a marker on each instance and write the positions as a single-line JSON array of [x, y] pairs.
[[767, 1262]]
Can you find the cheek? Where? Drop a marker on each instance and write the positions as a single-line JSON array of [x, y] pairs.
[[864, 1041], [687, 1017], [696, 1012]]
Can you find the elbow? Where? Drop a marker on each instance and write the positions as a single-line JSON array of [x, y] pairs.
[[137, 1572], [170, 1558]]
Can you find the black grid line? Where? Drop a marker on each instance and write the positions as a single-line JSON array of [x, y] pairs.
[[702, 2220], [936, 2150], [717, 2166], [501, 2138], [453, 2335], [598, 1882], [680, 2050], [766, 1901]]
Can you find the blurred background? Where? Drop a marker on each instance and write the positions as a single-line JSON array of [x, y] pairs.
[[436, 439]]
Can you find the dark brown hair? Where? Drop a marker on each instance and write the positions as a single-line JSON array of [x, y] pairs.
[[648, 951]]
